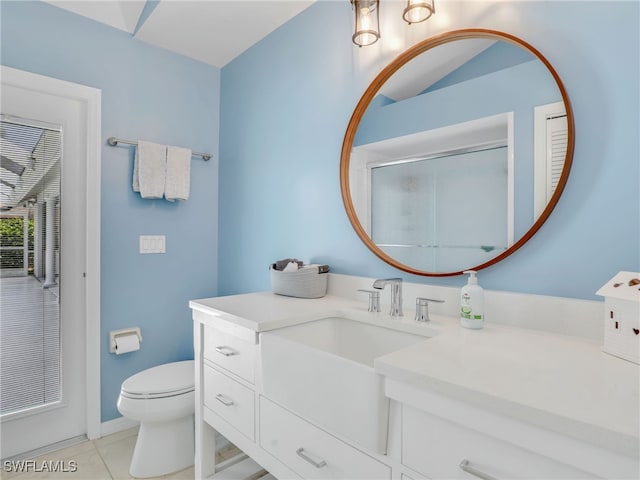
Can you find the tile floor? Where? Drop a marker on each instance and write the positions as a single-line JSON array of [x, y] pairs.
[[107, 458]]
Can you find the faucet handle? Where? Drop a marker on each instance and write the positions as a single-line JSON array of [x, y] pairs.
[[422, 308], [374, 299]]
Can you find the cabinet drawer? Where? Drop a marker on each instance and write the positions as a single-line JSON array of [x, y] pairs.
[[311, 452], [231, 400], [231, 353], [435, 447]]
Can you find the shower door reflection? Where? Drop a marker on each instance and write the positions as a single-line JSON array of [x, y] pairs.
[[444, 212]]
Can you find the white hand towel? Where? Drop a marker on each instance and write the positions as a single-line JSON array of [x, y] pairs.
[[177, 183], [149, 169]]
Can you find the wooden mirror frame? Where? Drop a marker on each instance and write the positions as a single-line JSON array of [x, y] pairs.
[[371, 92]]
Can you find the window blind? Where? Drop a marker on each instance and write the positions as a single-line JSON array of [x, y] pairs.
[[30, 373]]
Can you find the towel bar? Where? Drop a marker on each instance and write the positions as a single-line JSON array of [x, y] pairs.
[[113, 141]]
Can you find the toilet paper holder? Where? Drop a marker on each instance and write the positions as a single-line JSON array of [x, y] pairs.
[[113, 334]]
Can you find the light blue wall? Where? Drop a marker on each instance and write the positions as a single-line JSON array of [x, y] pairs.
[[287, 101], [151, 94]]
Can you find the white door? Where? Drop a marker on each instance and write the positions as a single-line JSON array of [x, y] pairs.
[[64, 417]]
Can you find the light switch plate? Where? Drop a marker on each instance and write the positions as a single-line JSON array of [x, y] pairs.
[[152, 244]]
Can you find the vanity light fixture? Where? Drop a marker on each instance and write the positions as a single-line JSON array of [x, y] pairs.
[[418, 11], [367, 13], [367, 30]]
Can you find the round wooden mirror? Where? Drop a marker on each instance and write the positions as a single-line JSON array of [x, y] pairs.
[[457, 152]]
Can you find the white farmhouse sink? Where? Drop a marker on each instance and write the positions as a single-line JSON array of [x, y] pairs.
[[323, 371]]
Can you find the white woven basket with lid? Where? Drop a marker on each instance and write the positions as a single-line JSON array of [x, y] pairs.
[[306, 282]]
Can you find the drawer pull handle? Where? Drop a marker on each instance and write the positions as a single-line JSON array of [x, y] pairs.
[[304, 456], [464, 465], [223, 399], [226, 351]]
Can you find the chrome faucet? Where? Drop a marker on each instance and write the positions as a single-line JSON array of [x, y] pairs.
[[396, 293]]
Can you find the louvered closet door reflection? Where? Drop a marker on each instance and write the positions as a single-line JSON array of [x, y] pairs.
[[557, 137]]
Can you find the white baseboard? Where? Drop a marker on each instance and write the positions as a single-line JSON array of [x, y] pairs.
[[30, 455], [116, 425]]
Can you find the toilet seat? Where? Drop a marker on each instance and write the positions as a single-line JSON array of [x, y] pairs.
[[163, 381]]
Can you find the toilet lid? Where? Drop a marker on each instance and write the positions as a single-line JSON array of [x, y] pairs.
[[168, 379]]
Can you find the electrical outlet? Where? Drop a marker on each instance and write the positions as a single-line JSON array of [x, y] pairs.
[[152, 244]]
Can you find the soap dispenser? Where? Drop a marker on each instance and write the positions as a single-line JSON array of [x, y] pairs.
[[472, 303]]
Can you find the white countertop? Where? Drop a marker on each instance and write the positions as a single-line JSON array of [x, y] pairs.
[[561, 382], [265, 311]]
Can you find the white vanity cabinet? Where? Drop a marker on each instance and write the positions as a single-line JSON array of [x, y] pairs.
[[225, 370], [230, 400], [312, 452], [439, 448], [232, 353], [450, 416], [228, 362], [447, 438]]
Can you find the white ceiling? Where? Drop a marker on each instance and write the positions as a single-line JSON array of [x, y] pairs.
[[212, 31], [119, 14], [432, 65], [217, 31]]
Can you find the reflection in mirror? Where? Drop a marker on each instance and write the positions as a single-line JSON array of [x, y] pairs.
[[457, 155], [468, 219]]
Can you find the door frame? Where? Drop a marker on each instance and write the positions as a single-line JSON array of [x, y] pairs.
[[91, 98]]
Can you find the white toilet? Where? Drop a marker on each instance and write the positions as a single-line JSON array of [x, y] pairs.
[[162, 399]]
